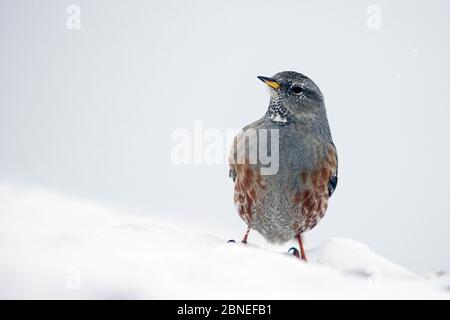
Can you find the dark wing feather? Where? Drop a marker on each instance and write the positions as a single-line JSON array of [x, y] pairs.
[[332, 183]]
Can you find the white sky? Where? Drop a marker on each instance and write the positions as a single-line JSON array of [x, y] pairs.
[[90, 112]]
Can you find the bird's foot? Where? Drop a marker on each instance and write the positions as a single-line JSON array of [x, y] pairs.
[[293, 251], [244, 239], [234, 241]]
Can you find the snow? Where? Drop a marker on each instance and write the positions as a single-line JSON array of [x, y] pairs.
[[56, 246]]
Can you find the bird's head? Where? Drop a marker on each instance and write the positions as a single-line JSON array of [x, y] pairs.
[[293, 96]]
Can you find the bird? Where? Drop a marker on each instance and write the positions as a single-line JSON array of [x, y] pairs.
[[291, 201]]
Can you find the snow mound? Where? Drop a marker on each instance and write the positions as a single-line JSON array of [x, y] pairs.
[[351, 256], [55, 246]]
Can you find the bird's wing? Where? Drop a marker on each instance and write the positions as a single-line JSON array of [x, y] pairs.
[[332, 182], [318, 185], [232, 156], [239, 151], [245, 173]]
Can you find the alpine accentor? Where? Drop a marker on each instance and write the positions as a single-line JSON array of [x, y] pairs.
[[284, 204]]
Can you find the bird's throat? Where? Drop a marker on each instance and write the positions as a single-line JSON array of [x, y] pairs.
[[277, 112]]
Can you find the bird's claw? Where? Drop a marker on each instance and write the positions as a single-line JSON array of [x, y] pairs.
[[294, 252]]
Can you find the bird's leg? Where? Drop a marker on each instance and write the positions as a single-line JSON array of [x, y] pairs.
[[244, 240], [302, 250]]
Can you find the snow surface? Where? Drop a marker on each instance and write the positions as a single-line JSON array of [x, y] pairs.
[[55, 246]]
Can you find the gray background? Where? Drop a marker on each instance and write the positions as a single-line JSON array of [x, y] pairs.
[[91, 111]]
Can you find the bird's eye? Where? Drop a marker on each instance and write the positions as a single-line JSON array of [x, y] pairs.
[[296, 89]]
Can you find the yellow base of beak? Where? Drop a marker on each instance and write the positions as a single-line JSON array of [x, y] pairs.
[[270, 82]]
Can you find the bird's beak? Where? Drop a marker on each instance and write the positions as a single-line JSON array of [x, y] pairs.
[[270, 82]]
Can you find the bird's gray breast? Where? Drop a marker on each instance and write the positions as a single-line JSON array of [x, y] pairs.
[[275, 212]]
